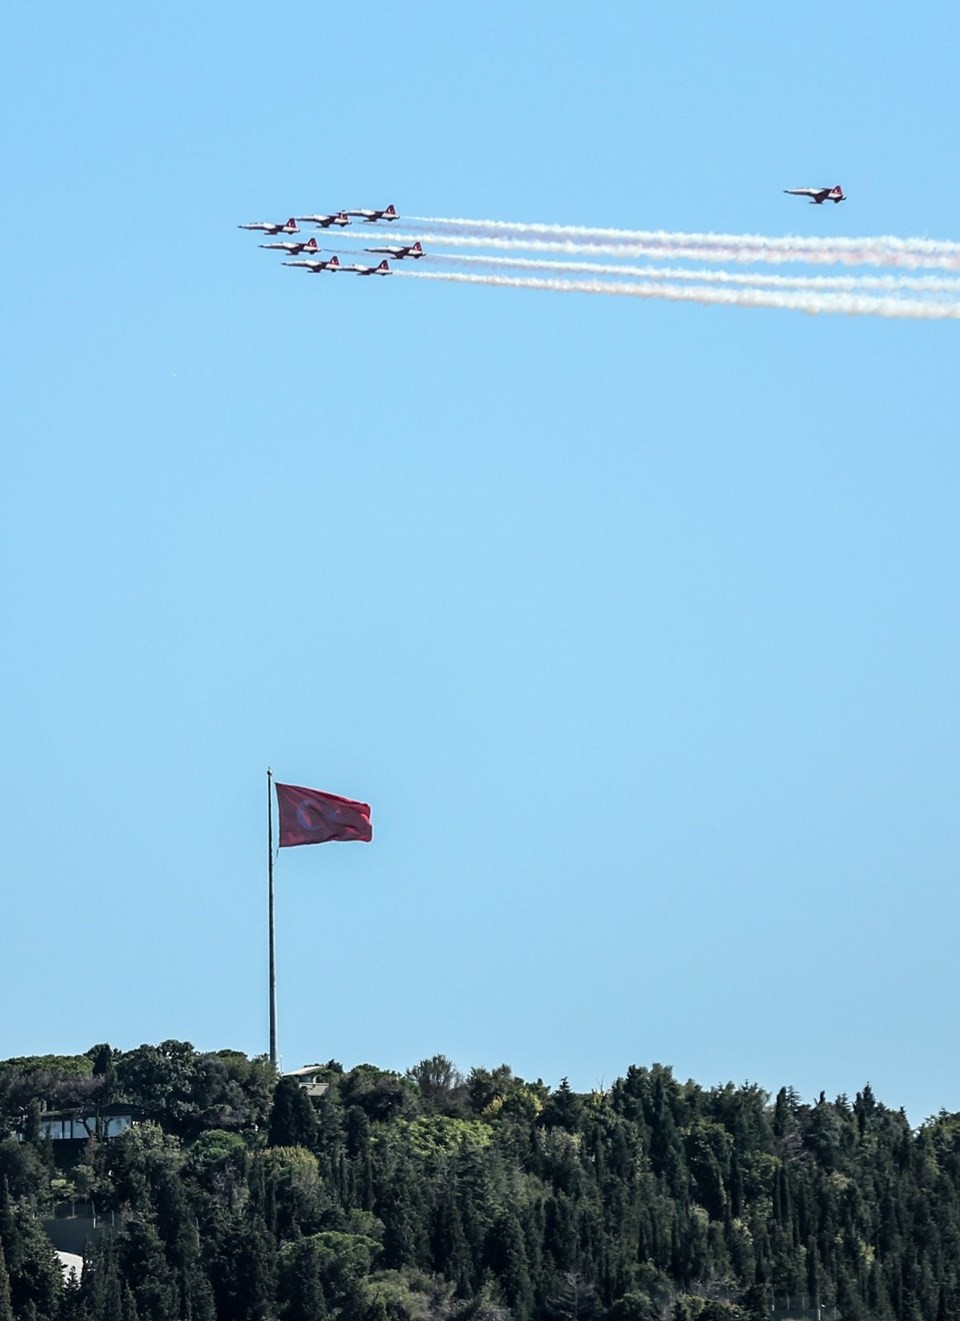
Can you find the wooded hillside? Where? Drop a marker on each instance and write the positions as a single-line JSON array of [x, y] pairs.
[[431, 1195]]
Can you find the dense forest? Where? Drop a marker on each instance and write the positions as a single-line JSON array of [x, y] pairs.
[[238, 1196]]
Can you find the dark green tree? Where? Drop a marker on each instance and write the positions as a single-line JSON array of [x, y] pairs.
[[507, 1258], [293, 1121], [441, 1087], [6, 1305]]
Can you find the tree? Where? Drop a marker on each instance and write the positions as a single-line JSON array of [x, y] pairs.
[[292, 1184], [484, 1086], [576, 1300], [144, 1266], [6, 1306], [634, 1307], [563, 1109], [440, 1084], [380, 1093], [33, 1271], [293, 1121], [301, 1282], [506, 1256]]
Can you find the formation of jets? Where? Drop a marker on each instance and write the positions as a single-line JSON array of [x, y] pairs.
[[819, 195], [322, 222], [312, 261]]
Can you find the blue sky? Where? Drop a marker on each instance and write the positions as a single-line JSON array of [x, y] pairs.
[[634, 622]]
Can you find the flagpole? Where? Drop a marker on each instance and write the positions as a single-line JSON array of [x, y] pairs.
[[272, 924]]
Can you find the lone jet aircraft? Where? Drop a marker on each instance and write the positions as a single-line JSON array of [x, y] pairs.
[[409, 250], [382, 269], [274, 226], [318, 264], [388, 213], [338, 218], [819, 195], [293, 248]]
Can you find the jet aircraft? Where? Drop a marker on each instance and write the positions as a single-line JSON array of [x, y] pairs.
[[382, 269], [819, 195], [337, 218], [407, 250], [318, 264], [388, 213], [293, 248], [274, 226]]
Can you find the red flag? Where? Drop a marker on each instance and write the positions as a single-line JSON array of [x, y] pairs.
[[308, 816]]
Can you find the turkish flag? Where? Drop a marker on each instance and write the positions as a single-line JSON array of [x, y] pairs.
[[308, 816]]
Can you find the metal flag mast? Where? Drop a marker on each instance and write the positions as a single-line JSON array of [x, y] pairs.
[[271, 924], [307, 816]]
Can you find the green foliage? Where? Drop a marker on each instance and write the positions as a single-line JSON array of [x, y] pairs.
[[439, 1134], [409, 1295], [301, 1291], [6, 1304], [33, 1271], [564, 1109], [22, 1169], [337, 1262], [635, 1307], [440, 1085], [381, 1094], [53, 1066], [427, 1197], [293, 1121]]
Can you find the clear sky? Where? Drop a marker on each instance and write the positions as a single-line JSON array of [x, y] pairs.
[[635, 622]]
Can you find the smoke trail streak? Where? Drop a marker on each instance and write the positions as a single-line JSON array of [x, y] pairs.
[[839, 283], [885, 245], [843, 304], [930, 284], [664, 248]]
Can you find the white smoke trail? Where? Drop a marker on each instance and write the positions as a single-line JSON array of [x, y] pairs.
[[843, 304], [928, 284], [787, 251], [881, 249]]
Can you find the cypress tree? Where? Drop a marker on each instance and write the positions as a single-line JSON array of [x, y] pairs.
[[293, 1121], [6, 1307], [507, 1258]]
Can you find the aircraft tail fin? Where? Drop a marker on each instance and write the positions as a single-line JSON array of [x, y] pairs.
[[334, 261], [310, 245], [384, 267], [390, 212], [416, 250]]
